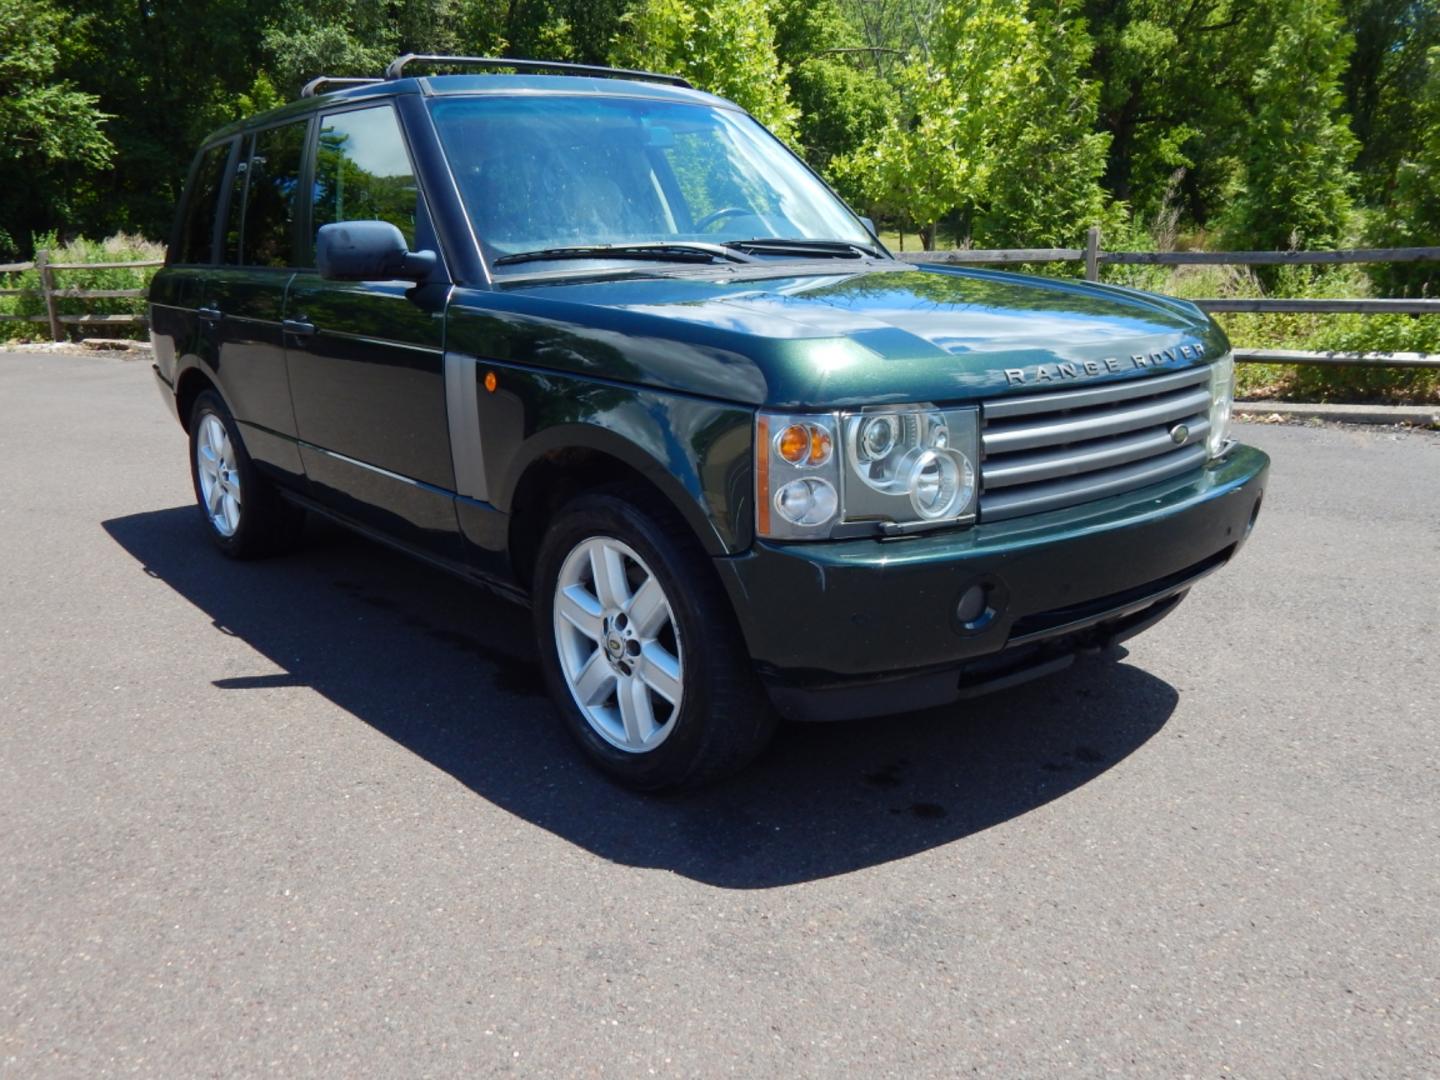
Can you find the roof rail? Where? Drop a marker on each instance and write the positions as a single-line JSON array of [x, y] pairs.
[[311, 88], [397, 67]]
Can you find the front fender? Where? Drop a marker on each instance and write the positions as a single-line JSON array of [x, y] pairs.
[[694, 450]]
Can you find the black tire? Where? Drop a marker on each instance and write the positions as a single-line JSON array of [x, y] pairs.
[[267, 524], [725, 718]]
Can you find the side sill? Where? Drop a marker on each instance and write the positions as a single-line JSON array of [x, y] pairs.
[[500, 587]]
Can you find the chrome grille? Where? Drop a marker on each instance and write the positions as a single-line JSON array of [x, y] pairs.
[[1047, 451]]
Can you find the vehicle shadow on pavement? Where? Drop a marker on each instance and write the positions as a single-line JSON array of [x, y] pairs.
[[449, 672]]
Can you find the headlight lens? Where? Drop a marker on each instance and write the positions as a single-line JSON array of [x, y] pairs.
[[1222, 403], [941, 482], [896, 469]]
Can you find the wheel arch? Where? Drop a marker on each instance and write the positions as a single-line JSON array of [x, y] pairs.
[[193, 381], [560, 463]]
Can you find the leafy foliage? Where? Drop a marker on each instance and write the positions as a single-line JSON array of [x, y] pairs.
[[118, 248], [1045, 188], [49, 130], [999, 122], [1295, 185], [1412, 215], [939, 152], [842, 101], [724, 46]]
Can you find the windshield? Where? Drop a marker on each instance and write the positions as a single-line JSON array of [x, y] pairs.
[[550, 172]]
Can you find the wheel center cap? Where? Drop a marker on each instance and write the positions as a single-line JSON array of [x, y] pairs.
[[613, 645]]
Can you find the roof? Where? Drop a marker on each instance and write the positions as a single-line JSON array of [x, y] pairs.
[[475, 84]]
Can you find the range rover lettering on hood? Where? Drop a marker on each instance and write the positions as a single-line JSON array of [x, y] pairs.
[[1081, 369]]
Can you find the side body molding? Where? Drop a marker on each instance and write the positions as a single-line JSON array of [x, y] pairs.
[[462, 408]]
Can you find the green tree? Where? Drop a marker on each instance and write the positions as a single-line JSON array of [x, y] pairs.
[[51, 134], [1045, 187], [1173, 82], [1385, 82], [841, 99], [167, 71], [940, 152], [1296, 143], [354, 37], [724, 46], [1411, 218]]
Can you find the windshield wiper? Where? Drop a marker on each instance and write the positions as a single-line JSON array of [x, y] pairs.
[[658, 251], [787, 245]]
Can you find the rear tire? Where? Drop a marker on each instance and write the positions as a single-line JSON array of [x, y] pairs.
[[243, 512], [640, 649]]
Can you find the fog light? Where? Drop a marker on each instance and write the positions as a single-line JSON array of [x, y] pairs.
[[971, 605]]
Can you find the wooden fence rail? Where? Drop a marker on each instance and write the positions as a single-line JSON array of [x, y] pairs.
[[49, 292], [1094, 258], [1091, 255]]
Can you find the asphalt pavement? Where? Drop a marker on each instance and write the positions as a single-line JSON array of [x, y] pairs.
[[314, 815]]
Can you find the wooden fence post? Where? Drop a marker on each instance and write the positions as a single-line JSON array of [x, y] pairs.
[[1092, 253], [47, 289]]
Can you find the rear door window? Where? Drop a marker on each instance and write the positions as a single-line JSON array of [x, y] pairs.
[[363, 171], [235, 206], [272, 195], [197, 231]]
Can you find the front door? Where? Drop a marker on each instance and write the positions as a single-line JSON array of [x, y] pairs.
[[366, 359]]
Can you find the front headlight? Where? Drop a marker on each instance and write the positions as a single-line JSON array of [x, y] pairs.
[[1222, 403], [896, 469]]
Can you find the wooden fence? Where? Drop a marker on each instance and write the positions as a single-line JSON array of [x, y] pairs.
[[1094, 258], [49, 292], [1091, 255]]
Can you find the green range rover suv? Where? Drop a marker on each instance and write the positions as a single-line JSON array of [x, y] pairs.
[[598, 341]]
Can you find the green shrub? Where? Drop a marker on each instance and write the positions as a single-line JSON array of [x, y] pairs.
[[118, 248], [1317, 333]]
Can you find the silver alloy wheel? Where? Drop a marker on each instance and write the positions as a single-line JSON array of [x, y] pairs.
[[219, 477], [619, 644]]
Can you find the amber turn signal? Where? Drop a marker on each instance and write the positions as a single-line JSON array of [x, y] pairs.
[[820, 446], [793, 444], [804, 444]]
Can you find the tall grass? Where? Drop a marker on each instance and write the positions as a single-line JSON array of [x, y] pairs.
[[1315, 333], [121, 247]]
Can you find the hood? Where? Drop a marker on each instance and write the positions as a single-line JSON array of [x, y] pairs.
[[819, 336]]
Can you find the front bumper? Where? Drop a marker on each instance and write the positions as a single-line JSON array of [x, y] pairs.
[[865, 627]]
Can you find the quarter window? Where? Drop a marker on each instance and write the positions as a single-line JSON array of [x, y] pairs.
[[197, 233], [272, 184], [363, 172]]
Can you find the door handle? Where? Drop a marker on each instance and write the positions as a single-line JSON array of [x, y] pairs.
[[298, 327], [210, 314]]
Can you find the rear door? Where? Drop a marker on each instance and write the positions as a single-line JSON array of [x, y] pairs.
[[244, 297], [176, 292], [366, 359]]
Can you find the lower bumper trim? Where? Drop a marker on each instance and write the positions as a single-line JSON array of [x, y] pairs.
[[1013, 666]]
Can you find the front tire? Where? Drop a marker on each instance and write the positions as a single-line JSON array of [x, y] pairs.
[[639, 647], [244, 514]]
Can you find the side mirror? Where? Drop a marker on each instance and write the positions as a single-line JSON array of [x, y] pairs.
[[869, 224], [368, 251]]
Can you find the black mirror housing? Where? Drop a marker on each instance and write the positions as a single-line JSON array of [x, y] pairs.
[[368, 251]]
